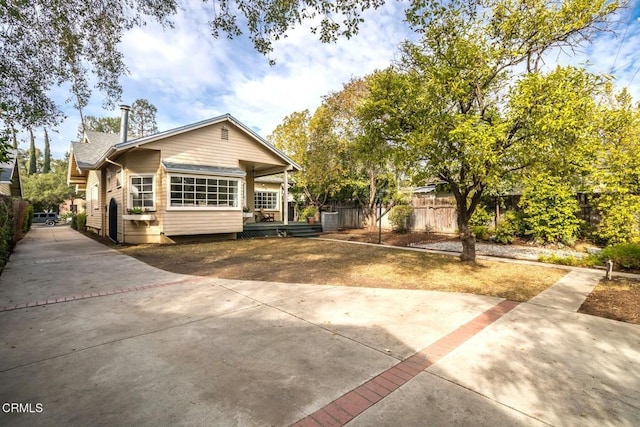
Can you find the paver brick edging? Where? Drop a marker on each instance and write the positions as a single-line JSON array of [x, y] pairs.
[[57, 300], [353, 403]]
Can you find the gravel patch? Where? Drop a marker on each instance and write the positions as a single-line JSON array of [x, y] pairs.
[[505, 251]]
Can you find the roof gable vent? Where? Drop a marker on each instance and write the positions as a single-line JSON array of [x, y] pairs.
[[224, 133]]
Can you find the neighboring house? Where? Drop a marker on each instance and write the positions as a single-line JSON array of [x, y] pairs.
[[72, 206], [10, 184], [191, 180]]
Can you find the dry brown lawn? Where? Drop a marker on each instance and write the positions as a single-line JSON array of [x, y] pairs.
[[347, 264], [618, 299]]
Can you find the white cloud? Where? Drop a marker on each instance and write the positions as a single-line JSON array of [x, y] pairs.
[[189, 76]]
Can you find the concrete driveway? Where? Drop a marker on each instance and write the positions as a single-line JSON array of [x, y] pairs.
[[89, 336]]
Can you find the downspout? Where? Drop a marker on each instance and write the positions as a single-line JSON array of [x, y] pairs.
[[124, 127], [285, 203]]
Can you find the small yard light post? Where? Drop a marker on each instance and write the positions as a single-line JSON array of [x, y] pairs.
[[380, 194]]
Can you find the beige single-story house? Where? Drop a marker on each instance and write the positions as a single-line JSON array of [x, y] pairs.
[[191, 180], [10, 183]]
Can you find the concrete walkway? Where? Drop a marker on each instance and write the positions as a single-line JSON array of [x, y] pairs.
[[90, 336]]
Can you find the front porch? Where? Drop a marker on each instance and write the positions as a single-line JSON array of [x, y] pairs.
[[277, 228]]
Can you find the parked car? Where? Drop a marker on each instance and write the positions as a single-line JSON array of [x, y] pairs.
[[48, 218]]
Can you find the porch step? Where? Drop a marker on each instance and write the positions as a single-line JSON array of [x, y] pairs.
[[294, 229], [308, 234]]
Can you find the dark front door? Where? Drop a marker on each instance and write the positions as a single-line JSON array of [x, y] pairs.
[[113, 220]]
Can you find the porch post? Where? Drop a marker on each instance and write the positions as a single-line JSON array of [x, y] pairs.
[[285, 202]]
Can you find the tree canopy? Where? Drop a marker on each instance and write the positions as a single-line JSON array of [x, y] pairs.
[[470, 104], [339, 160]]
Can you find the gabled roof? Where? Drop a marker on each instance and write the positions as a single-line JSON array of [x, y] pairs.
[[8, 169], [101, 146], [93, 147]]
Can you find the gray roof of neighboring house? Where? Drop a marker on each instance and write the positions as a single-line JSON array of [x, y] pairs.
[[7, 168], [202, 169], [89, 153]]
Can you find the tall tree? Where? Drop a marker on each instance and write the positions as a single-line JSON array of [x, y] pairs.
[[33, 167], [142, 120], [338, 156], [472, 107], [46, 167], [45, 43], [99, 124]]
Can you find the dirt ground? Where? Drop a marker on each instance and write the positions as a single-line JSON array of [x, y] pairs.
[[618, 299], [389, 238]]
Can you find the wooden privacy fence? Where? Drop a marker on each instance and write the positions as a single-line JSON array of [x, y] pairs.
[[437, 215]]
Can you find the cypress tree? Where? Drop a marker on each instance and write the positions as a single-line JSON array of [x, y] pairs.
[[47, 154], [32, 154]]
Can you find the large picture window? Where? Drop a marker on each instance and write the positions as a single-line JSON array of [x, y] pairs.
[[142, 192], [267, 200], [204, 192]]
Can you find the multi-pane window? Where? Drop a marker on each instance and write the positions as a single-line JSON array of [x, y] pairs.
[[266, 200], [189, 191], [142, 192]]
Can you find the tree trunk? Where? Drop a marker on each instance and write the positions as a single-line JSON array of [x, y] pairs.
[[468, 247], [466, 236]]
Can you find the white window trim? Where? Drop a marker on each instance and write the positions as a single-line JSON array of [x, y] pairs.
[[278, 202], [118, 176], [153, 186], [204, 208], [95, 201]]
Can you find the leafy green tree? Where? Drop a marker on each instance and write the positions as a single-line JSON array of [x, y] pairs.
[[99, 124], [337, 163], [142, 120], [470, 106], [45, 43], [46, 191], [308, 141], [46, 167], [617, 179]]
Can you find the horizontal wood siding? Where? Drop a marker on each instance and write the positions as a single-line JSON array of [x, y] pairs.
[[180, 223], [144, 162], [93, 206], [113, 192], [205, 146], [5, 189]]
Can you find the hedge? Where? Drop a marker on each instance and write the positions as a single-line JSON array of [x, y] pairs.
[[14, 222]]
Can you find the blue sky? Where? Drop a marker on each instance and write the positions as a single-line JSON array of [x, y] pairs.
[[189, 76]]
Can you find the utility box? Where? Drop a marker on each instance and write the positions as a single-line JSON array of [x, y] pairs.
[[329, 221]]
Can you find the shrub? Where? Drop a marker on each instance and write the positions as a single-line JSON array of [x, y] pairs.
[[505, 231], [399, 217], [28, 219], [6, 229], [587, 261], [307, 212], [481, 232], [550, 208], [480, 217], [620, 218], [623, 255], [81, 221]]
